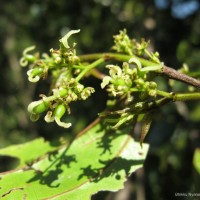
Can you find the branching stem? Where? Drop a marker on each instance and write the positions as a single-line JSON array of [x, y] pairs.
[[169, 72], [117, 57], [89, 67]]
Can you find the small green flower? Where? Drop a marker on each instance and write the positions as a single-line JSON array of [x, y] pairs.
[[58, 59], [63, 92], [64, 40], [60, 93], [27, 57], [87, 92], [155, 57], [123, 43], [35, 74], [120, 80], [114, 71], [140, 48], [38, 107], [152, 85], [79, 87], [58, 113], [105, 81], [72, 96], [152, 93]]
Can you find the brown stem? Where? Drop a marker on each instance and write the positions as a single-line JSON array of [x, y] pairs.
[[176, 75]]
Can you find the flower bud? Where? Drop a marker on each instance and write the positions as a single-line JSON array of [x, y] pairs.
[[152, 93], [58, 59], [58, 113], [79, 87], [140, 82], [87, 92], [152, 85], [63, 92], [35, 74], [30, 58], [38, 107], [27, 57]]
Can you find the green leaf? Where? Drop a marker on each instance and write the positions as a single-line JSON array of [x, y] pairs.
[[196, 160], [97, 160], [29, 151]]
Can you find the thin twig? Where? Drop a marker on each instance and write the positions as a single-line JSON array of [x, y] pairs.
[[176, 75]]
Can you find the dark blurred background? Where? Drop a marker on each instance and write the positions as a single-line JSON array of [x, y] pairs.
[[173, 26]]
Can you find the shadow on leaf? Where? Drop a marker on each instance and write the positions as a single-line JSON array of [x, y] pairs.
[[96, 169], [105, 143], [53, 171], [112, 167]]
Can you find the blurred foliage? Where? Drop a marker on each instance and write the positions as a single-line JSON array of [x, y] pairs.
[[176, 129]]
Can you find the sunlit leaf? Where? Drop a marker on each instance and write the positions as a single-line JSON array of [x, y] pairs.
[[95, 161], [29, 151]]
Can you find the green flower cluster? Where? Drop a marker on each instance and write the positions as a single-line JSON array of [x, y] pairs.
[[62, 65], [40, 67], [123, 44], [129, 83], [57, 104], [125, 82]]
